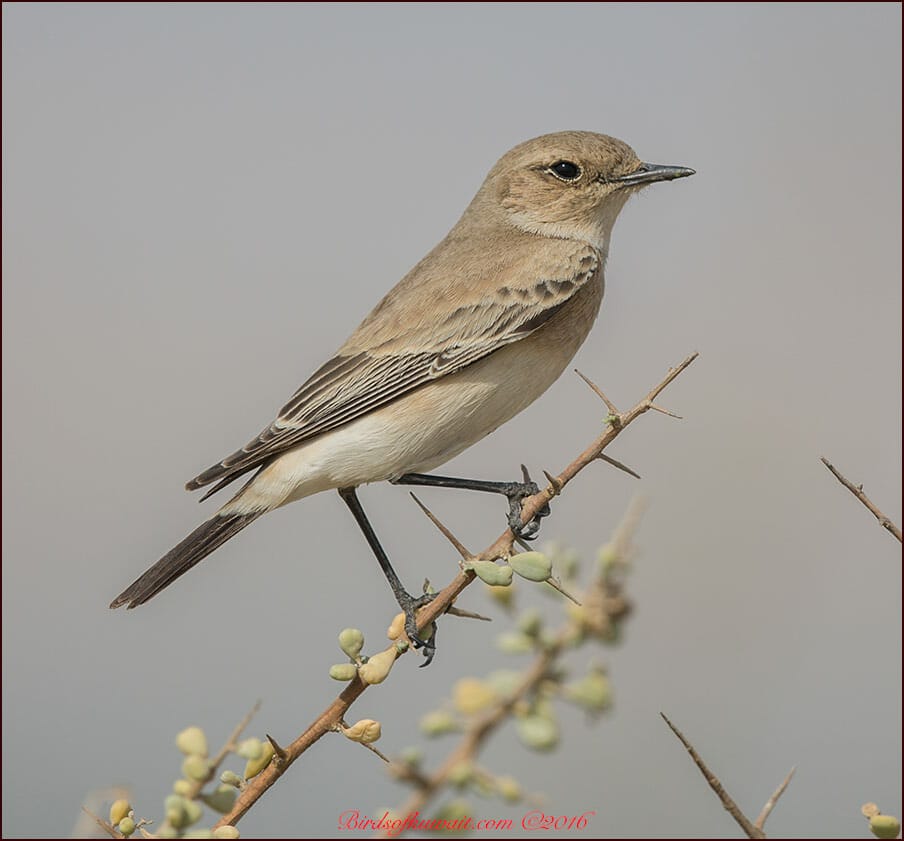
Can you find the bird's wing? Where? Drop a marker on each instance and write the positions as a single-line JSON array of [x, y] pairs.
[[355, 382]]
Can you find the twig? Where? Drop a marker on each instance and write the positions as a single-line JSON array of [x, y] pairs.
[[750, 830], [618, 464], [110, 830], [857, 490], [760, 822], [229, 747], [501, 548]]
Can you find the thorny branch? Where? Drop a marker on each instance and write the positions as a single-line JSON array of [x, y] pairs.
[[857, 490], [500, 548]]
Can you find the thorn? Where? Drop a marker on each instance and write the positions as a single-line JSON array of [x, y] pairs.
[[377, 751], [656, 408], [556, 483], [467, 614], [618, 464], [281, 755], [526, 475], [523, 544], [557, 585], [460, 548], [599, 393]]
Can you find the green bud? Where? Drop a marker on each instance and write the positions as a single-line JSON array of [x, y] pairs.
[[119, 810], [184, 787], [221, 799], [502, 595], [377, 668], [226, 832], [195, 768], [412, 757], [496, 575], [504, 681], [193, 812], [461, 774], [176, 813], [253, 767], [230, 778], [509, 789], [453, 810], [126, 826], [884, 826], [198, 833], [168, 831], [192, 741], [351, 641], [533, 566], [592, 692], [250, 749], [343, 671], [437, 723], [538, 732], [514, 642]]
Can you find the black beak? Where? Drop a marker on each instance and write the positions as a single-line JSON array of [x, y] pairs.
[[648, 173]]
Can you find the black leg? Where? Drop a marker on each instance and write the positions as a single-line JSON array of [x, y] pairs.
[[515, 492], [407, 602]]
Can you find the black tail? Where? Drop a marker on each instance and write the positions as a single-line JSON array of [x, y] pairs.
[[197, 546]]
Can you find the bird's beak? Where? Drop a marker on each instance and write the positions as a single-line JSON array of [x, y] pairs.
[[648, 173]]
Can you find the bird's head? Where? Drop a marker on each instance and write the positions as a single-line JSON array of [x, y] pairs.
[[571, 184]]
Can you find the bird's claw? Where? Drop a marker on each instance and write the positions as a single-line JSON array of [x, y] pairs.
[[517, 492], [410, 606]]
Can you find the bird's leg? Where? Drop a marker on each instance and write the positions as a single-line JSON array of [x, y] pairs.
[[407, 602], [515, 492]]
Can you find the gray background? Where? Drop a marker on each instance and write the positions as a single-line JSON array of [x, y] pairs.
[[200, 203]]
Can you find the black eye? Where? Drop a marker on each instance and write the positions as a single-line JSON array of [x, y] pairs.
[[566, 170]]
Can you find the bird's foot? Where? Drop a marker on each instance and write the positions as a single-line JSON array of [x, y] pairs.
[[410, 605], [517, 492]]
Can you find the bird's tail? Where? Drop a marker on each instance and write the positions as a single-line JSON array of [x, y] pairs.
[[181, 558]]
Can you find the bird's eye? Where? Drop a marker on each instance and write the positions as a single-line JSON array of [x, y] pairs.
[[566, 170]]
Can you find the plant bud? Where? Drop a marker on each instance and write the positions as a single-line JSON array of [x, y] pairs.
[[230, 778], [221, 799], [119, 810], [253, 767], [175, 808], [496, 575], [514, 642], [226, 832], [365, 731], [351, 641], [437, 723], [126, 826], [377, 668], [250, 748], [195, 768], [198, 833], [502, 594], [184, 787], [396, 627], [504, 681], [530, 623], [869, 809], [533, 566], [509, 789], [461, 773], [884, 826], [471, 695], [538, 732], [343, 671], [192, 741]]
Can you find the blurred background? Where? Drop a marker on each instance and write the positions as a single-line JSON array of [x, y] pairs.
[[200, 202]]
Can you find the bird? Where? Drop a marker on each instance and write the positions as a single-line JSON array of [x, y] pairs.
[[470, 337]]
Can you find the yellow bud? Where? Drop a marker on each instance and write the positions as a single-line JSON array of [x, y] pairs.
[[514, 642], [538, 732], [438, 722], [607, 556], [461, 773], [253, 767], [193, 812], [592, 692], [471, 695], [509, 789], [869, 809], [176, 814], [496, 575], [226, 832], [533, 566], [377, 668], [351, 641], [126, 826], [397, 627], [884, 826], [192, 741], [195, 768], [365, 731], [343, 671], [119, 810], [504, 681], [230, 778], [183, 787], [503, 595]]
